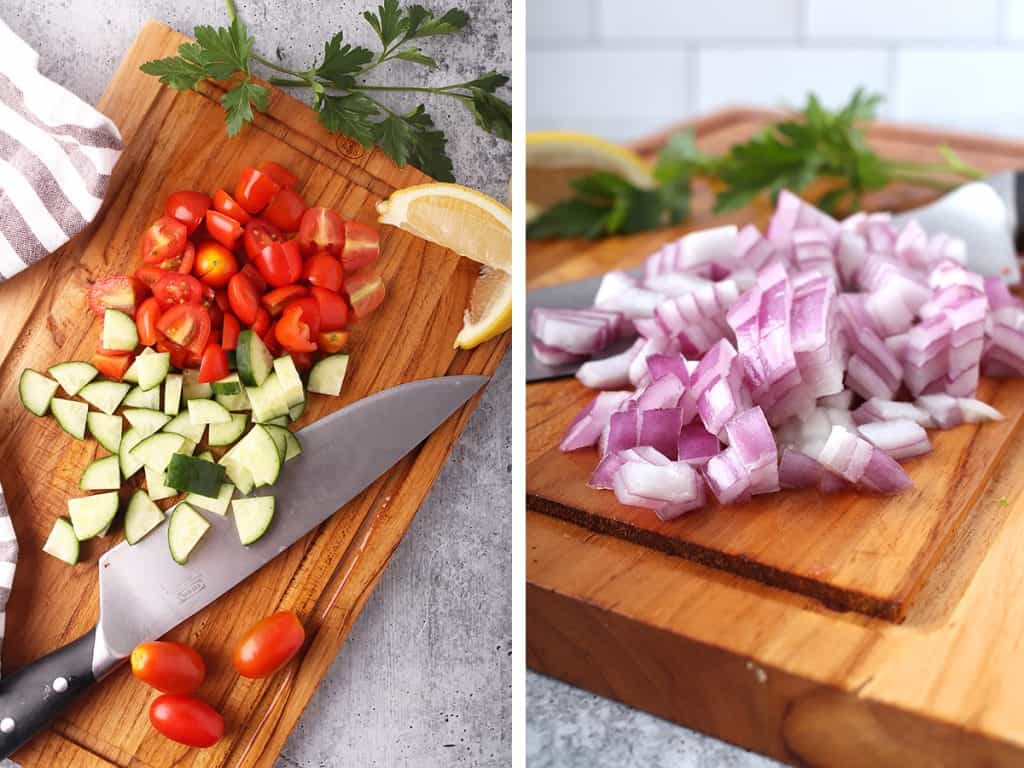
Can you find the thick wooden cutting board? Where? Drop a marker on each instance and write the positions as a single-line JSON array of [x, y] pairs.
[[759, 658], [177, 140]]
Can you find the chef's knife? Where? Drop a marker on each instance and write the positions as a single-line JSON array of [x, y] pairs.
[[144, 593], [988, 215]]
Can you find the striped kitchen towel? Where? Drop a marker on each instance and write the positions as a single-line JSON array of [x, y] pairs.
[[56, 155], [8, 560]]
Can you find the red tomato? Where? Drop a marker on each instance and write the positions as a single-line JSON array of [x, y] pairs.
[[280, 263], [148, 276], [365, 293], [123, 293], [188, 208], [303, 360], [146, 319], [321, 229], [285, 210], [268, 645], [270, 341], [168, 667], [223, 229], [188, 258], [310, 313], [362, 246], [244, 298], [293, 334], [112, 366], [258, 235], [179, 355], [174, 288], [261, 323], [220, 296], [333, 309], [215, 264], [227, 205], [214, 365], [279, 173], [230, 329], [330, 342], [186, 719], [214, 339], [164, 239], [324, 270], [187, 325], [254, 189], [277, 298], [254, 276]]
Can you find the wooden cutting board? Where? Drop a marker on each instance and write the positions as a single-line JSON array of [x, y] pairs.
[[831, 631], [177, 140]]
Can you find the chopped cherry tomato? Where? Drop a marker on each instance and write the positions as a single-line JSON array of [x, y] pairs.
[[188, 258], [186, 719], [214, 339], [258, 235], [220, 296], [223, 229], [112, 366], [330, 342], [123, 293], [303, 360], [333, 309], [244, 298], [268, 645], [293, 334], [175, 288], [168, 667], [324, 270], [280, 263], [230, 329], [310, 313], [321, 229], [254, 189], [285, 210], [188, 207], [279, 173], [187, 325], [365, 291], [164, 239], [277, 298], [215, 264], [148, 276], [214, 365], [227, 205], [270, 341], [261, 323], [146, 319], [179, 355], [362, 246], [254, 276]]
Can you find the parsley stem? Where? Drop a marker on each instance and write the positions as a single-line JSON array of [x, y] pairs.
[[284, 82], [960, 169]]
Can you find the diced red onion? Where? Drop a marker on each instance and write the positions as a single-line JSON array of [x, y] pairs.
[[555, 357], [696, 445], [878, 409], [901, 438], [586, 428]]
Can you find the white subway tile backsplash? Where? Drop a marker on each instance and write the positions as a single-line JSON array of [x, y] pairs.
[[699, 19], [554, 21], [902, 20]]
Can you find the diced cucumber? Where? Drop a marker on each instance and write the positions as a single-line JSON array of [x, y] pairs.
[[146, 420], [236, 472], [257, 452], [71, 415], [229, 385], [252, 517], [106, 429], [132, 374], [92, 515], [292, 448], [291, 382], [328, 375], [232, 357], [239, 402], [182, 425], [187, 448], [152, 370], [191, 387], [136, 398], [202, 412], [254, 359], [287, 446], [156, 450], [218, 505], [195, 475], [268, 401], [72, 376], [156, 485], [129, 463], [36, 391], [172, 394], [295, 412], [141, 517], [105, 395], [226, 434], [101, 475], [280, 421], [119, 332], [184, 531], [62, 542]]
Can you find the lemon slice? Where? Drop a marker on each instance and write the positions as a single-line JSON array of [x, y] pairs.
[[490, 308]]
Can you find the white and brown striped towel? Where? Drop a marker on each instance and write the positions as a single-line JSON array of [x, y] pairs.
[[56, 155]]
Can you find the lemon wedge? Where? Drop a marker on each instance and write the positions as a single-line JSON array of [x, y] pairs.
[[490, 308]]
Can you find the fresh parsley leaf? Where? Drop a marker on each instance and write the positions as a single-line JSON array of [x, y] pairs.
[[416, 56], [428, 25], [387, 22], [395, 136], [492, 113], [429, 153], [224, 51], [239, 102], [489, 81], [180, 72], [350, 115], [342, 62]]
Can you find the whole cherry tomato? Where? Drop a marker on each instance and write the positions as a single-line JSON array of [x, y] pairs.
[[168, 667], [321, 229], [188, 207], [269, 645], [362, 246], [280, 263], [165, 239], [258, 235], [365, 292], [227, 205], [254, 189], [215, 264], [214, 365], [175, 288], [186, 719], [333, 309], [279, 173], [223, 229], [285, 210], [230, 328], [293, 334], [244, 298], [112, 366], [330, 342], [123, 293], [324, 270], [187, 325], [277, 298], [146, 319]]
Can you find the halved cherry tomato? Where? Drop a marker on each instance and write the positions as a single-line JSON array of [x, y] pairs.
[[168, 667], [268, 645], [362, 246], [146, 319], [277, 298], [215, 264], [270, 341], [164, 239], [279, 173], [227, 205], [175, 288], [214, 365], [285, 210], [365, 292], [220, 296], [254, 189], [324, 270], [254, 276], [244, 298], [331, 341], [321, 229], [149, 276], [123, 293], [188, 258], [179, 355], [293, 334], [214, 339], [230, 329], [258, 235], [187, 325], [280, 263], [186, 719], [333, 309], [303, 360], [310, 313], [261, 323], [112, 366], [223, 229], [188, 207]]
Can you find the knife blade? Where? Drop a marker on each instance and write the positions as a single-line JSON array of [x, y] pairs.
[[144, 593]]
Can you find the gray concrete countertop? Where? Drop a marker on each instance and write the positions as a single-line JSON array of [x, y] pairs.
[[424, 678]]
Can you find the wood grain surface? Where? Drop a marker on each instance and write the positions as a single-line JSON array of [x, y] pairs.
[[758, 659], [177, 140]]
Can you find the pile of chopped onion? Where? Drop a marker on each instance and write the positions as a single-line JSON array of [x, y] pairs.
[[816, 355]]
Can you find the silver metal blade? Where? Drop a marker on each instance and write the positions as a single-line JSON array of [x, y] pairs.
[[144, 593]]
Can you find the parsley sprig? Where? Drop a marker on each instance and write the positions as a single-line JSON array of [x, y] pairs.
[[341, 95], [816, 144]]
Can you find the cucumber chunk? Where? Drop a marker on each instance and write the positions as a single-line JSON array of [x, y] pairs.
[[295, 412], [291, 382], [156, 485], [280, 421], [71, 415], [146, 420], [156, 450], [119, 332], [106, 429], [132, 374], [229, 385], [257, 452], [105, 395], [62, 542], [218, 504], [184, 531], [239, 402], [36, 391], [136, 398], [129, 463], [292, 447], [207, 412], [172, 393], [72, 376], [328, 375], [141, 517], [236, 472], [182, 425], [280, 436], [268, 401], [101, 475], [92, 515], [195, 475], [254, 359], [252, 517], [227, 434], [152, 370], [192, 388]]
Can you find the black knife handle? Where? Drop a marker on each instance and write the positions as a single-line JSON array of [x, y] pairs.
[[1018, 210], [31, 697]]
